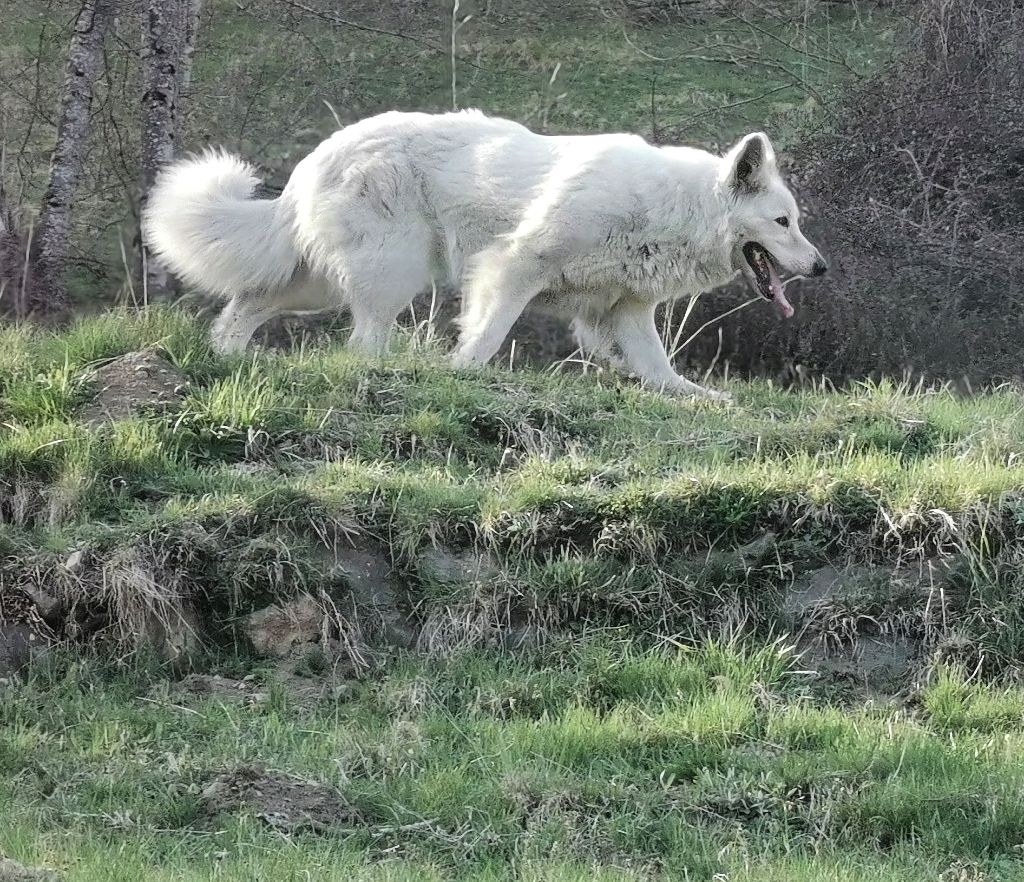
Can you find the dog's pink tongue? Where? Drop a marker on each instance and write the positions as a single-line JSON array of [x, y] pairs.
[[784, 307]]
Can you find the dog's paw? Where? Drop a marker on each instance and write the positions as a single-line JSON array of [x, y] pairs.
[[680, 387], [716, 395], [699, 393]]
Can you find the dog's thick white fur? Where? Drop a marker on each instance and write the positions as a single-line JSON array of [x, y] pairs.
[[599, 228]]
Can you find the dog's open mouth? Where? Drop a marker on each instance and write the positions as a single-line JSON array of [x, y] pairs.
[[764, 277]]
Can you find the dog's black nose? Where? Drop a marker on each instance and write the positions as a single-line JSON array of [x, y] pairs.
[[820, 267]]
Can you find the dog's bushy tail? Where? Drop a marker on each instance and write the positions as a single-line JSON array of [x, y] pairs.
[[204, 225]]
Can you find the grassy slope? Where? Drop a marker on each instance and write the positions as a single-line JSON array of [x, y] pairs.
[[603, 747]]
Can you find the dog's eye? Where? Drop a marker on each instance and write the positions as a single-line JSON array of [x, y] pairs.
[[782, 221]]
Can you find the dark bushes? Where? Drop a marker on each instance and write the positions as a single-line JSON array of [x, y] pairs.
[[916, 185]]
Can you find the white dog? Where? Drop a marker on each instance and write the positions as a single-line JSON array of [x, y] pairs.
[[599, 228]]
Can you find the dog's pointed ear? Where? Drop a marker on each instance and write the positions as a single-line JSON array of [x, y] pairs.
[[750, 163]]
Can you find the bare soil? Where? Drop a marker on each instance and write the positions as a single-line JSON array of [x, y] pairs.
[[285, 802], [132, 384], [12, 871]]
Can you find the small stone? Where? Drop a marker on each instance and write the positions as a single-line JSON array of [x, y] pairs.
[[12, 871], [276, 629], [46, 603], [343, 692]]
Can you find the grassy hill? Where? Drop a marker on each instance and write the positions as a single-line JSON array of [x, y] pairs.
[[568, 629]]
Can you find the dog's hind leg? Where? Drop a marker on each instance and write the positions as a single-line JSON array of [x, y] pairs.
[[635, 334], [245, 313], [594, 339], [239, 320], [382, 281], [372, 324], [500, 287]]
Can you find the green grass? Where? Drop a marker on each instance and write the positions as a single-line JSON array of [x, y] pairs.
[[656, 726], [594, 759], [699, 77]]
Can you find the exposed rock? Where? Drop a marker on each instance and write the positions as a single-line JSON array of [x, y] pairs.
[[12, 871], [176, 635], [24, 633], [19, 643], [276, 630], [50, 609], [75, 562]]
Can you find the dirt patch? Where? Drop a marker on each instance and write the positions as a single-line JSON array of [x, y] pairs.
[[380, 599], [377, 609], [448, 567], [19, 644], [12, 871], [877, 668], [304, 694], [861, 626], [134, 383], [285, 802], [225, 689], [25, 629], [816, 587], [306, 680]]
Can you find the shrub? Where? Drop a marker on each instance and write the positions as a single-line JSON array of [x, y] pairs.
[[916, 186]]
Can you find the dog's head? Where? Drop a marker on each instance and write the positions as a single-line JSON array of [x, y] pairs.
[[765, 227]]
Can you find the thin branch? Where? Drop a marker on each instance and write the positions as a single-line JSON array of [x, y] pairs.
[[713, 110], [337, 21], [712, 321], [841, 62]]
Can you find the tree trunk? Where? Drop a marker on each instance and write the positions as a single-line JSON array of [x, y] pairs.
[[15, 276], [163, 32], [190, 10], [85, 59]]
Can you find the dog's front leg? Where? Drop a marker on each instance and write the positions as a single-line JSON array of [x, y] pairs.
[[636, 336]]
